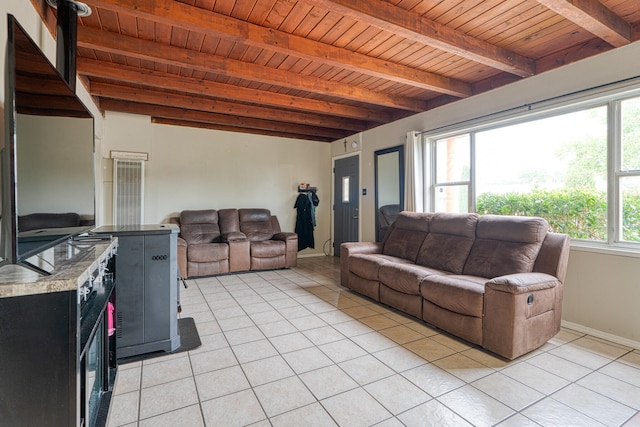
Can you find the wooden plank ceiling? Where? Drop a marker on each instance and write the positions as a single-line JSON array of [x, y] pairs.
[[325, 69]]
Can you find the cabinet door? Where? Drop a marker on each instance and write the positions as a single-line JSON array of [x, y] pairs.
[[130, 290], [160, 287], [39, 372]]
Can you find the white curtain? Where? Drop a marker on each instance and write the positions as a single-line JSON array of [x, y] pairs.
[[414, 173]]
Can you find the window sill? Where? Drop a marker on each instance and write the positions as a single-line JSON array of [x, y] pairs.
[[630, 251]]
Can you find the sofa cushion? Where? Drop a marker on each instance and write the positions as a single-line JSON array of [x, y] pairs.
[[367, 266], [208, 252], [460, 294], [505, 245], [268, 248], [229, 222], [256, 224], [405, 278], [199, 226], [407, 234], [449, 241], [200, 233]]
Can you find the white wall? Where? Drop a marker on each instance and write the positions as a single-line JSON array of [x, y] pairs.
[[602, 289], [191, 168]]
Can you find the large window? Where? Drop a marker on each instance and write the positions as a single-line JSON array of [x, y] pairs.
[[453, 171], [577, 167], [628, 175]]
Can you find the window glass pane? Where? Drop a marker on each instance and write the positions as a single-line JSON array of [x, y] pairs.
[[630, 195], [453, 159], [631, 134], [454, 198], [345, 189], [555, 168]]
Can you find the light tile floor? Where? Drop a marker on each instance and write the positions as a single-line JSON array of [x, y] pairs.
[[293, 348]]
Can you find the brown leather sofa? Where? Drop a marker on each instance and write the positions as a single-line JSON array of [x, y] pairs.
[[496, 281], [232, 240]]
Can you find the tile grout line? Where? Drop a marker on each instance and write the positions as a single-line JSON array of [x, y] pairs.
[[313, 287]]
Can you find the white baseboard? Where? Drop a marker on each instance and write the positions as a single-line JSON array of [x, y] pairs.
[[599, 334]]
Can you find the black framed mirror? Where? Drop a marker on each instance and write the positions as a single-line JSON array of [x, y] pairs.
[[389, 182]]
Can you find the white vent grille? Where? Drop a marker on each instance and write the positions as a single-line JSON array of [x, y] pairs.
[[128, 192]]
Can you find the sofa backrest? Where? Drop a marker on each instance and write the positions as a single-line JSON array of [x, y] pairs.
[[505, 245], [449, 241], [199, 226], [404, 238], [256, 224], [229, 221]]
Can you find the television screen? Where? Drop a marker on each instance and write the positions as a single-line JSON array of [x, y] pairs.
[[48, 159]]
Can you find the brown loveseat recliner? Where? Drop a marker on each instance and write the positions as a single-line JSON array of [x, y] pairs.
[[268, 247], [495, 281], [232, 240]]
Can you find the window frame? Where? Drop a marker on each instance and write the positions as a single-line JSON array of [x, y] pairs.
[[433, 189], [619, 174], [612, 99]]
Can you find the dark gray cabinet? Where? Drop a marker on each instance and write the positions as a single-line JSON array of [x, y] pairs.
[[147, 297]]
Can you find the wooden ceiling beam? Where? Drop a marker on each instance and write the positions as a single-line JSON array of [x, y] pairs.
[[594, 17], [410, 25], [147, 50], [132, 94], [206, 22], [152, 78], [593, 47], [227, 128], [218, 119]]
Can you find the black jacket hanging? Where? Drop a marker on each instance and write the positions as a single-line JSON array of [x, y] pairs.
[[304, 222]]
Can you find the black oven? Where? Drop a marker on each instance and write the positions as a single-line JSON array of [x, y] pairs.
[[97, 345]]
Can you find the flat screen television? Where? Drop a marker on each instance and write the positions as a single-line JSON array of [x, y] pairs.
[[48, 176]]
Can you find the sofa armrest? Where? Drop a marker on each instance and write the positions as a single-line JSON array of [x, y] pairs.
[[182, 257], [284, 236], [233, 236], [291, 243], [523, 282], [239, 255], [275, 224], [521, 312], [351, 248]]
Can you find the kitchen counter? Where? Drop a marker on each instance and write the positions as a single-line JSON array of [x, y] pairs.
[[69, 264]]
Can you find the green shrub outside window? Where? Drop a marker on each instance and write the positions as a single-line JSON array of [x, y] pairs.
[[582, 214]]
